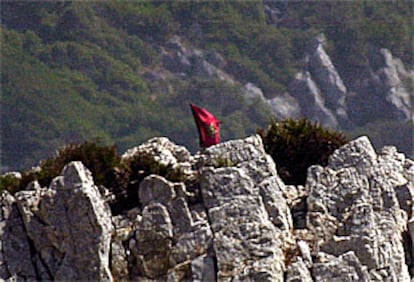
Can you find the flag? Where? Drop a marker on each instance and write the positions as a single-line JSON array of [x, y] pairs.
[[207, 125]]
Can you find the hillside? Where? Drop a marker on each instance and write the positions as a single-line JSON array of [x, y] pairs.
[[125, 72]]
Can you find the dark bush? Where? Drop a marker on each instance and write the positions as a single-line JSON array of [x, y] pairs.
[[120, 178], [102, 161], [9, 182], [295, 145]]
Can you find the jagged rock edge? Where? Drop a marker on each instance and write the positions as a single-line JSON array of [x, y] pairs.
[[368, 155]]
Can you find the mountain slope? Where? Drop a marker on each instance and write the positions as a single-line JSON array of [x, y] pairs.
[[125, 72]]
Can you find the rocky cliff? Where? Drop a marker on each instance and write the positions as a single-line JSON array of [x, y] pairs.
[[318, 92], [382, 91], [231, 218]]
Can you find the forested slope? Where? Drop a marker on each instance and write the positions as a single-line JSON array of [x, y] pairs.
[[74, 71]]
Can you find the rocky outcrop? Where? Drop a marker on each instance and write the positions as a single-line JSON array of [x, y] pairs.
[[246, 190], [311, 101], [319, 89], [252, 92], [353, 207], [386, 89], [228, 218], [64, 230], [326, 77], [285, 106], [382, 91], [186, 61]]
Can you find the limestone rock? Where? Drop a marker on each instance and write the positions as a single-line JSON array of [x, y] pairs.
[[155, 188], [359, 154], [161, 153], [298, 272], [346, 267], [231, 152], [180, 272], [327, 78], [311, 100], [189, 61], [153, 241], [285, 106], [319, 89], [247, 243], [353, 206], [397, 81], [275, 203], [232, 219], [123, 227], [69, 226], [162, 150], [192, 244], [380, 91], [252, 92], [202, 269], [185, 239], [383, 91], [204, 69], [15, 253]]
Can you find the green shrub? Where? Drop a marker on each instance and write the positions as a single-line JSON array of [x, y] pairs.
[[121, 178], [103, 161], [9, 182], [295, 145], [100, 160]]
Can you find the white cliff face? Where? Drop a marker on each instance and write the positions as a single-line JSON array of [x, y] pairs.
[[285, 106], [319, 89], [186, 61], [252, 92], [230, 218], [248, 215], [311, 101], [396, 79], [327, 78], [384, 91]]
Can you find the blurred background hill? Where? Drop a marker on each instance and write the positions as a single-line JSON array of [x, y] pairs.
[[123, 72]]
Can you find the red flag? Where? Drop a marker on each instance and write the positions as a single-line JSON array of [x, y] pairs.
[[208, 126]]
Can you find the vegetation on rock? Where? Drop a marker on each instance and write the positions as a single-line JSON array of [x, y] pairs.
[[99, 159], [120, 178], [295, 145]]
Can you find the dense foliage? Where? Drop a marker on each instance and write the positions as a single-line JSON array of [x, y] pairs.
[[120, 178], [295, 145], [73, 70], [99, 159]]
